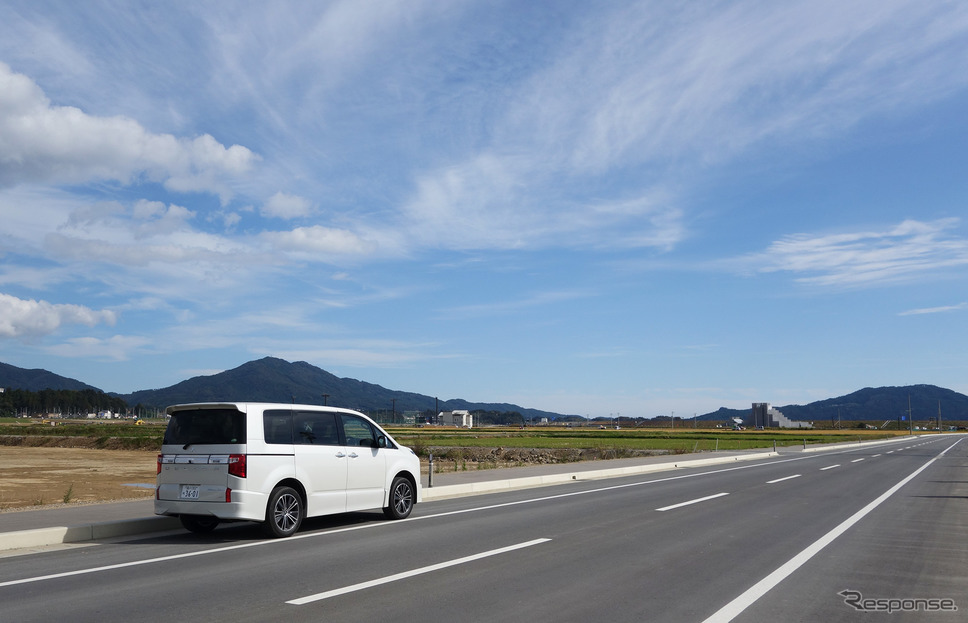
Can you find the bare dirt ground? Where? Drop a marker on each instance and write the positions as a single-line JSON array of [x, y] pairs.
[[72, 472], [35, 477]]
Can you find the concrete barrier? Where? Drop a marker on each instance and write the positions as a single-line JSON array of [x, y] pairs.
[[42, 537], [514, 484], [860, 442]]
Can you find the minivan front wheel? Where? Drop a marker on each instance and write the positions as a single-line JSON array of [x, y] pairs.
[[284, 513], [402, 497]]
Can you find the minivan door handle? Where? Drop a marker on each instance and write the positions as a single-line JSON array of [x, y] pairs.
[[354, 455], [340, 455]]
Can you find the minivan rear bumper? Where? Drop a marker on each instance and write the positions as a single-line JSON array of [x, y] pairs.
[[245, 506]]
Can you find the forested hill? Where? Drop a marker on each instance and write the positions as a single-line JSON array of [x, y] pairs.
[[276, 380], [872, 404]]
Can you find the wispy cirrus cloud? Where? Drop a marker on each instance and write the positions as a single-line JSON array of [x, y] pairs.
[[498, 308], [909, 250], [934, 310], [667, 92]]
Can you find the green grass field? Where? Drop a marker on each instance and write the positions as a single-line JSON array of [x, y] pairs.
[[149, 436], [682, 440]]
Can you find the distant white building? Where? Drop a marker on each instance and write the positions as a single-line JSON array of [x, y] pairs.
[[459, 418], [766, 416]]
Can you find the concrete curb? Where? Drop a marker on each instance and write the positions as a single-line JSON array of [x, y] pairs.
[[42, 537], [513, 484], [859, 443]]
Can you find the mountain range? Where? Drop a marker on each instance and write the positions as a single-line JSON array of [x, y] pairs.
[[275, 380]]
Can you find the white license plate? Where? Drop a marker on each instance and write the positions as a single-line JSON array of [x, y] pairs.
[[189, 492]]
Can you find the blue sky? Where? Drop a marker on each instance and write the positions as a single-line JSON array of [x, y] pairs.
[[593, 208]]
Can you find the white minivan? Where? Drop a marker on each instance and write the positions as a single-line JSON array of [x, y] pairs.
[[278, 464]]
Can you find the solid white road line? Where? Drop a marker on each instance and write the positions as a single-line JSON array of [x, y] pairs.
[[696, 501], [734, 608], [773, 482], [409, 574], [369, 526]]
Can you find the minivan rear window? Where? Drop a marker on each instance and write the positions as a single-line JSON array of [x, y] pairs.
[[205, 426]]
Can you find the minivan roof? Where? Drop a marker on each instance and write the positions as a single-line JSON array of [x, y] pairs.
[[244, 406]]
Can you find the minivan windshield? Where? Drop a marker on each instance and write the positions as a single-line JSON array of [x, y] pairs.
[[205, 426]]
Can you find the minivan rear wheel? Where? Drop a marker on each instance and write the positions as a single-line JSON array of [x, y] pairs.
[[401, 498], [284, 513], [199, 524]]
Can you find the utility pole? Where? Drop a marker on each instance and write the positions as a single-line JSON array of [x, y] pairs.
[[910, 421]]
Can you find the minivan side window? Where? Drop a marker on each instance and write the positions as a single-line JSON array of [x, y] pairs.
[[316, 428], [205, 426], [277, 427], [358, 431]]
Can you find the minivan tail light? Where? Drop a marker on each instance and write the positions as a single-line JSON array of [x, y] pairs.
[[237, 465], [159, 465]]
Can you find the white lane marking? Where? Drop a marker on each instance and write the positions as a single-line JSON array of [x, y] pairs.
[[823, 469], [773, 482], [696, 501], [313, 535], [381, 524], [409, 574], [875, 456], [734, 608], [857, 460]]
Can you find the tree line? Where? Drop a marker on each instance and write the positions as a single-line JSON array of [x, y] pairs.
[[19, 402]]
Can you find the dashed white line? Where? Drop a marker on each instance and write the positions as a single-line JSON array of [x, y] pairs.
[[409, 574], [773, 482], [696, 501], [823, 469], [734, 608], [857, 460]]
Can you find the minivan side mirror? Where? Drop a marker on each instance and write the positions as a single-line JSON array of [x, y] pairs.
[[381, 441]]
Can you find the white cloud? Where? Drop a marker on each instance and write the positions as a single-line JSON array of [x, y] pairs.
[[650, 94], [660, 82], [21, 318], [539, 299], [318, 241], [115, 348], [360, 353], [286, 206], [44, 143], [934, 310], [909, 250]]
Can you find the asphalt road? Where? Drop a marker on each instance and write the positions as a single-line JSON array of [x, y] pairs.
[[803, 537]]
